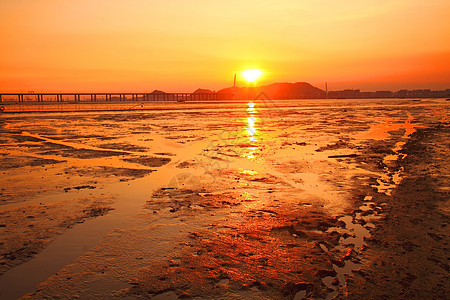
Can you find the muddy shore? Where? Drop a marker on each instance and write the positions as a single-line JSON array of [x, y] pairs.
[[287, 203], [409, 250], [28, 230]]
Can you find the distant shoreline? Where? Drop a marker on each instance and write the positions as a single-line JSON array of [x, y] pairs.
[[52, 102], [14, 107], [274, 91]]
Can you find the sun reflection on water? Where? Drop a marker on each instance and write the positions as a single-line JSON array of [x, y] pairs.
[[250, 133], [247, 172], [251, 122], [251, 129], [250, 154]]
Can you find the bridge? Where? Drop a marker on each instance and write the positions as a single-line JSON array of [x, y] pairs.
[[109, 97]]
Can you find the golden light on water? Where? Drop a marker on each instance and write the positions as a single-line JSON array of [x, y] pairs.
[[251, 122], [251, 108], [247, 172], [251, 153], [251, 129]]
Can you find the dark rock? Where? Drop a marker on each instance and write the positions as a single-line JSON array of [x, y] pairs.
[[324, 273], [338, 263], [291, 288]]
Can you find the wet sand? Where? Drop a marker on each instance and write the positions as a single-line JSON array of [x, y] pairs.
[[249, 200], [409, 251]]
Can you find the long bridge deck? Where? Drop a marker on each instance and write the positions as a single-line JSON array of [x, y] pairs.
[[94, 97]]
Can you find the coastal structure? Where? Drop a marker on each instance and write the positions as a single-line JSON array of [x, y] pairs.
[[298, 90], [110, 97]]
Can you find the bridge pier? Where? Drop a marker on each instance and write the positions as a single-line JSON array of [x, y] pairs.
[[92, 97]]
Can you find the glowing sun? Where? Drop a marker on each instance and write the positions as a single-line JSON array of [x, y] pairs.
[[252, 75]]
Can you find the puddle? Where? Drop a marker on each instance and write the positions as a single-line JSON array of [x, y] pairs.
[[357, 226], [389, 180], [300, 295], [166, 296], [352, 243]]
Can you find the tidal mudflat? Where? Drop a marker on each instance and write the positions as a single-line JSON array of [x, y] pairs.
[[239, 200]]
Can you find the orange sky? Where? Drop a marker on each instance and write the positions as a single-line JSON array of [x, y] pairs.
[[181, 45]]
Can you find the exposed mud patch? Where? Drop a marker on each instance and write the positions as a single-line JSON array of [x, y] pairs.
[[124, 147], [83, 153], [25, 231], [13, 162], [149, 161], [187, 164], [409, 251], [124, 174], [338, 145], [266, 253]]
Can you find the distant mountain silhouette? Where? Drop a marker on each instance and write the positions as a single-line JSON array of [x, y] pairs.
[[282, 90], [203, 91], [157, 92]]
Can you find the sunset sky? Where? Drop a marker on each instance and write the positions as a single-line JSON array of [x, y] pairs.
[[182, 45]]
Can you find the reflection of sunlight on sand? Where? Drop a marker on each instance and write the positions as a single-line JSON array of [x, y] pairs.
[[380, 131], [251, 129], [250, 132], [311, 182], [333, 200], [250, 153], [440, 113], [409, 128], [251, 121], [307, 183], [246, 196], [247, 172], [387, 181], [252, 199]]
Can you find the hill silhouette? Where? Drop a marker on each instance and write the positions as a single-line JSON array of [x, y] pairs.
[[282, 90], [203, 91]]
